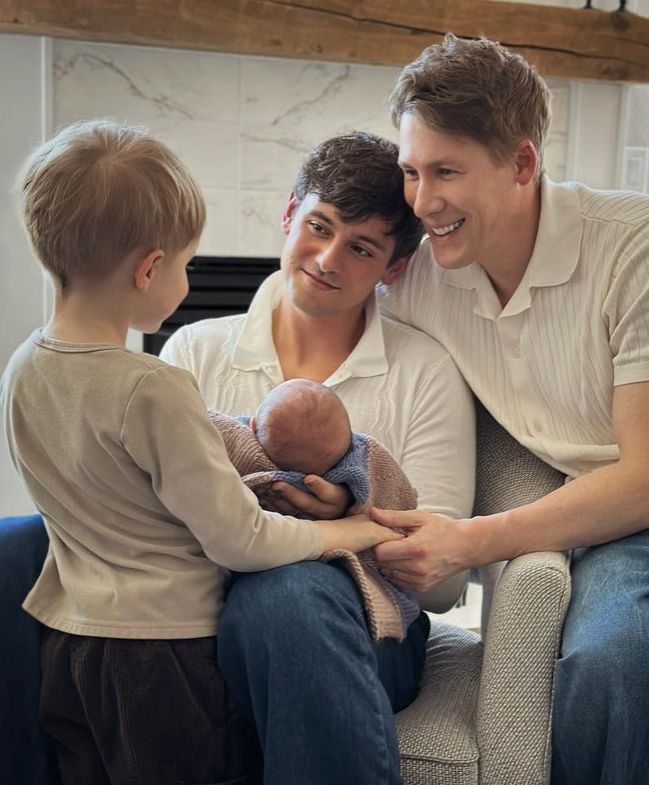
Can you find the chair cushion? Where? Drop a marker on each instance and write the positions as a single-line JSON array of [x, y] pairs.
[[437, 732]]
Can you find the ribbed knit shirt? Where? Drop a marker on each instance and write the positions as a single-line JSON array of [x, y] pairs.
[[547, 363]]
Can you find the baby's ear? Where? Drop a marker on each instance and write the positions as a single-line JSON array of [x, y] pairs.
[[253, 424]]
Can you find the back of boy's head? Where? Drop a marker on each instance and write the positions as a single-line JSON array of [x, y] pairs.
[[359, 175], [476, 89], [98, 191]]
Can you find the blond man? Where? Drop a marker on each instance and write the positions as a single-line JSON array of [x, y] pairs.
[[540, 293]]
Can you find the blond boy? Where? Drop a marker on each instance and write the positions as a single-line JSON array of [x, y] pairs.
[[143, 509]]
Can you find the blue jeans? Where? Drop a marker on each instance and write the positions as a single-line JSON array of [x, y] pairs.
[[296, 652], [601, 703], [26, 757]]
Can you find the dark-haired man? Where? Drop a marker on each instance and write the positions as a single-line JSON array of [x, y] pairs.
[[540, 292], [294, 643]]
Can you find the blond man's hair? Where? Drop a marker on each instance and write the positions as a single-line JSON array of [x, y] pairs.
[[98, 191], [479, 90]]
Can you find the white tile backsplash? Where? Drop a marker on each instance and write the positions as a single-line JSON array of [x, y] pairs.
[[260, 231], [221, 234], [288, 106], [241, 124], [189, 100]]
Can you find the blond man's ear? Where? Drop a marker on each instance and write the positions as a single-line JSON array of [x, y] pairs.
[[526, 160]]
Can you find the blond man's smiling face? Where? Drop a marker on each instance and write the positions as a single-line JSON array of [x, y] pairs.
[[465, 199]]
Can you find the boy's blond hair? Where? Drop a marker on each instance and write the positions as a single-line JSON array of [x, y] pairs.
[[97, 191], [476, 89]]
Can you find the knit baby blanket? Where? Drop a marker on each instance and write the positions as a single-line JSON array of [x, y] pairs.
[[374, 479]]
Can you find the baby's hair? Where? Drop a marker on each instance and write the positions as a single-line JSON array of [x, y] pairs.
[[99, 190], [303, 426]]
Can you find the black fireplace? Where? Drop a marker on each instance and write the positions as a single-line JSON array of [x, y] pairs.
[[218, 286]]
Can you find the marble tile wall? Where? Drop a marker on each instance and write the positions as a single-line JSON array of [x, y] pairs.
[[242, 124]]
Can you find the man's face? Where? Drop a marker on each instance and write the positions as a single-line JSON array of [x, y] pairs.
[[465, 200], [331, 267]]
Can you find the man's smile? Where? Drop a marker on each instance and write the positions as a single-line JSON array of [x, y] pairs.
[[442, 231], [319, 281]]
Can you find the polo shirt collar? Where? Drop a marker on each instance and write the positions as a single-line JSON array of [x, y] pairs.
[[553, 261], [255, 350]]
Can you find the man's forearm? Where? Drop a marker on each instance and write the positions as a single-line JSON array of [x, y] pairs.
[[604, 505]]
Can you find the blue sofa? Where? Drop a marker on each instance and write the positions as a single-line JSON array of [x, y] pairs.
[[25, 754]]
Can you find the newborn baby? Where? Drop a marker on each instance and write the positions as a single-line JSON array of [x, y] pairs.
[[303, 426]]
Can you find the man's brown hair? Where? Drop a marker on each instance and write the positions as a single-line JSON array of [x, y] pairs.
[[476, 89], [359, 175], [97, 191]]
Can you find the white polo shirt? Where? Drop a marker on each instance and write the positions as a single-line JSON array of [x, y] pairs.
[[398, 385], [546, 364]]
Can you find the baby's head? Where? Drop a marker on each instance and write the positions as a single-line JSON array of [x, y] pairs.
[[303, 426]]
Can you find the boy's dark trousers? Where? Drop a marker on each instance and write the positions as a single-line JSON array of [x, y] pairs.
[[143, 712]]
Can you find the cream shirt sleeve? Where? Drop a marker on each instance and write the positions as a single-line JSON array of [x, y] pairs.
[[439, 451], [626, 311], [169, 436]]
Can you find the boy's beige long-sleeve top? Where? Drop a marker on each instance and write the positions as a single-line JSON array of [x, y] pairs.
[[143, 508]]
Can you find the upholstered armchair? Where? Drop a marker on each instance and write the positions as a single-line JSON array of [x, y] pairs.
[[483, 716], [483, 713]]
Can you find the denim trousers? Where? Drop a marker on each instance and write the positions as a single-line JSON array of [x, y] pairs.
[[296, 652], [288, 621], [601, 702]]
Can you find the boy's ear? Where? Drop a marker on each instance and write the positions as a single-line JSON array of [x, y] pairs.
[[289, 211], [253, 424], [145, 269], [396, 269], [527, 161]]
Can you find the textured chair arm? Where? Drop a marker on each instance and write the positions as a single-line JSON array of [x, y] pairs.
[[521, 647]]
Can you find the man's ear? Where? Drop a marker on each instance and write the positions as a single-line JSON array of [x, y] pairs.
[[289, 211], [396, 269], [145, 269], [526, 161]]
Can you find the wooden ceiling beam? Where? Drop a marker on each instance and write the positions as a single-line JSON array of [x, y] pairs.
[[561, 42]]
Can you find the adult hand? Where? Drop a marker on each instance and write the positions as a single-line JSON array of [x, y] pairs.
[[324, 501], [434, 548]]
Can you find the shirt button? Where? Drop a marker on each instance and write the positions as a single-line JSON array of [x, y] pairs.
[[537, 425], [515, 352]]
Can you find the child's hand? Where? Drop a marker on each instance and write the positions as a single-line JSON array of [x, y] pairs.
[[354, 534]]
